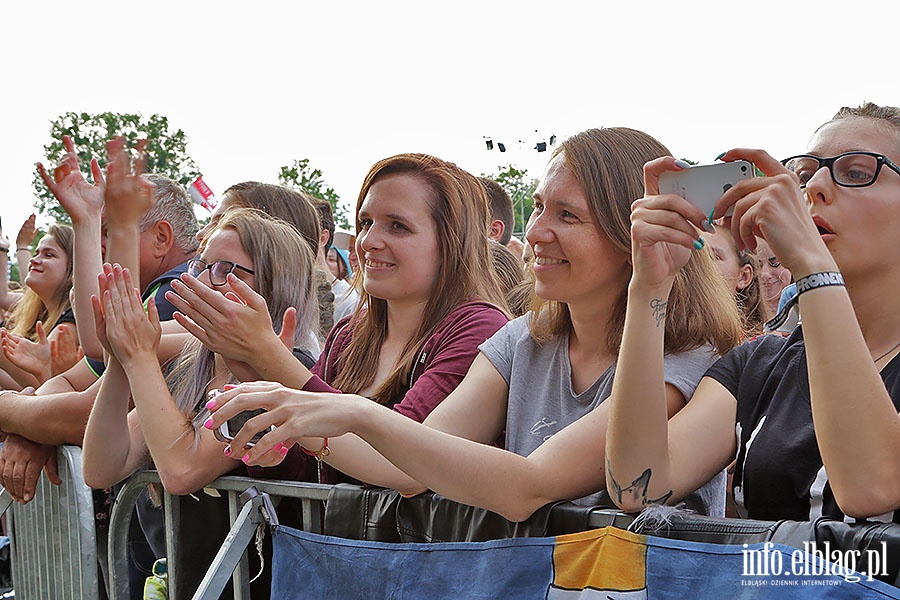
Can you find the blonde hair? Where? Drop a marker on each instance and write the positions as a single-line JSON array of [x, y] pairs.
[[30, 308], [608, 164], [283, 266], [459, 208]]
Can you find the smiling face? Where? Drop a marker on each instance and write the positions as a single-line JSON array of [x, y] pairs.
[[852, 220], [225, 244], [47, 268], [398, 240], [573, 261]]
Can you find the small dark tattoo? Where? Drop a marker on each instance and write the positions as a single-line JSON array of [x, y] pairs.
[[637, 490], [658, 305]]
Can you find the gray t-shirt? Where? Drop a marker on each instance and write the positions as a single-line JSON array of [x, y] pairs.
[[542, 401]]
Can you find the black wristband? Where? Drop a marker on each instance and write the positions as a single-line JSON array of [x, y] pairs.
[[817, 280]]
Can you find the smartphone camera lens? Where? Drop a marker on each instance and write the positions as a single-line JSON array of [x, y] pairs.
[[743, 168]]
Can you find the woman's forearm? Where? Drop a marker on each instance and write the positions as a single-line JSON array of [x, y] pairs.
[[108, 449], [637, 436], [856, 423], [87, 263], [185, 457]]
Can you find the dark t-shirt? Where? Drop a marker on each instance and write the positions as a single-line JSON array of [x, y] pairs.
[[67, 316], [779, 472]]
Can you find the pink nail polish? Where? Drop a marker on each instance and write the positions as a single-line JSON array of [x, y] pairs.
[[211, 404], [283, 451], [229, 386], [228, 450], [245, 459], [208, 423]]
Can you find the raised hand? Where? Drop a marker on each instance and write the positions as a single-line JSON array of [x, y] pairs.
[[26, 232], [236, 326], [31, 357], [665, 229], [131, 334], [128, 196], [80, 199], [774, 208], [64, 350]]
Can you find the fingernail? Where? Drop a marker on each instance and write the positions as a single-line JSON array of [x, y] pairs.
[[707, 227], [683, 164], [698, 244], [283, 451], [209, 422], [710, 218], [229, 386], [227, 450], [719, 157], [27, 497], [279, 446], [211, 405], [245, 459]]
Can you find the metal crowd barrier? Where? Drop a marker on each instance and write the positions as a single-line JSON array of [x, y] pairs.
[[231, 562], [54, 549]]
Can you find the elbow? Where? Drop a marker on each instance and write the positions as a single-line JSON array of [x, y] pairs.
[[871, 501], [409, 491], [181, 481], [98, 480], [520, 507]]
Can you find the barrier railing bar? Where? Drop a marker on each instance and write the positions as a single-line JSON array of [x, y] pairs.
[[240, 535], [311, 496]]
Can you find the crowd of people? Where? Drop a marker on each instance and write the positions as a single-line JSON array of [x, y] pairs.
[[618, 353]]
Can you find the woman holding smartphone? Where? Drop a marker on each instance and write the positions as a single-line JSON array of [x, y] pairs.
[[544, 378], [816, 413]]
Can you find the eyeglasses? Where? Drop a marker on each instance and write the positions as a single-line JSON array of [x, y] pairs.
[[850, 169], [218, 271]]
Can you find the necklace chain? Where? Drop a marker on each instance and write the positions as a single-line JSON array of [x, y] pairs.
[[897, 345]]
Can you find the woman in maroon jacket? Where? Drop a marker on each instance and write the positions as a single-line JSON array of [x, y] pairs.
[[428, 298]]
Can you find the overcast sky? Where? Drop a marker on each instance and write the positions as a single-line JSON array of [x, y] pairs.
[[256, 85]]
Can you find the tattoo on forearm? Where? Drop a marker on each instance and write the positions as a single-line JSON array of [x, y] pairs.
[[637, 490], [658, 305]]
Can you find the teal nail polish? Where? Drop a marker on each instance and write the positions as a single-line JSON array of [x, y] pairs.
[[709, 218], [698, 244], [719, 157]]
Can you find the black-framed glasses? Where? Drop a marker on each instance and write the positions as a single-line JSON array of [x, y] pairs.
[[218, 271], [850, 169]]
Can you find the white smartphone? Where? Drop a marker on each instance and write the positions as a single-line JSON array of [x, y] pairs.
[[703, 185]]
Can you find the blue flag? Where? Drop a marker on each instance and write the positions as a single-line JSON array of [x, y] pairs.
[[602, 564]]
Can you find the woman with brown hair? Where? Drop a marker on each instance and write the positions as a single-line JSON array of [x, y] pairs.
[[428, 298], [545, 377]]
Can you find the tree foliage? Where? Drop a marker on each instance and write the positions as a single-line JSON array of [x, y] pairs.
[[302, 177], [520, 188], [166, 149]]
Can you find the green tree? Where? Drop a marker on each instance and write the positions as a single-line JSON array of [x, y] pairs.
[[166, 149], [302, 177], [520, 188]]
